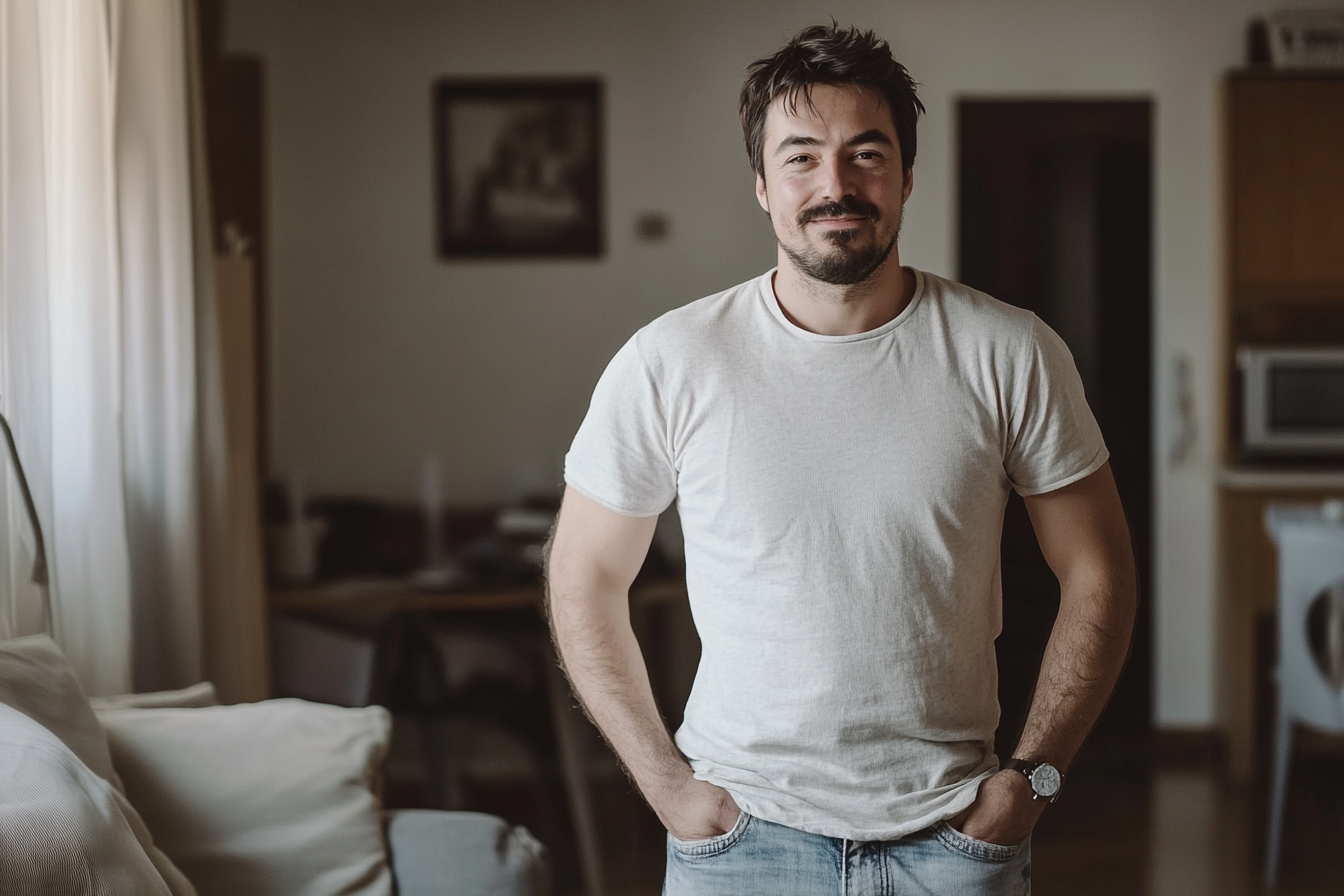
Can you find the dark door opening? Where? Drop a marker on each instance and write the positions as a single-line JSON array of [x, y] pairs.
[[1055, 216]]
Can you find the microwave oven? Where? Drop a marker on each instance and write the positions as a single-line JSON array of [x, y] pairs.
[[1292, 402]]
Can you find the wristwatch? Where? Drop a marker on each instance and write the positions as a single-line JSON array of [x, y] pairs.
[[1045, 780]]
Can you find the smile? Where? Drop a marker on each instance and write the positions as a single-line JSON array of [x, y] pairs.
[[845, 213]]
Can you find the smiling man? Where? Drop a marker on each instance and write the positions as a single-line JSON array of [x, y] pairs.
[[841, 435]]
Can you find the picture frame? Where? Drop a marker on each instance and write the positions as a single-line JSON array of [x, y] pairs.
[[1306, 38], [518, 167]]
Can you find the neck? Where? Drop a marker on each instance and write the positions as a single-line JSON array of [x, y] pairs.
[[831, 310]]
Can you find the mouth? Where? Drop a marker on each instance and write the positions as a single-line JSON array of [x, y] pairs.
[[839, 223]]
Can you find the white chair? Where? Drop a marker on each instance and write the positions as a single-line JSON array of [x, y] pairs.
[[1310, 540]]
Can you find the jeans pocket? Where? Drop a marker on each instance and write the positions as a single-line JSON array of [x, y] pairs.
[[976, 849], [712, 846]]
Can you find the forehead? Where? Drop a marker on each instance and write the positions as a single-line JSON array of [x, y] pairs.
[[846, 109]]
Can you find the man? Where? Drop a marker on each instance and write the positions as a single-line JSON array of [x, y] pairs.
[[841, 435]]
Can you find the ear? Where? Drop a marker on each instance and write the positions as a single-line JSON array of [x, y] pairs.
[[761, 196], [908, 186]]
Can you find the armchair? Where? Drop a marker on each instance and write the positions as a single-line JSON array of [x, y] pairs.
[[174, 795]]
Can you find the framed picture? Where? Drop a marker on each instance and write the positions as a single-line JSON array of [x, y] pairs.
[[519, 167]]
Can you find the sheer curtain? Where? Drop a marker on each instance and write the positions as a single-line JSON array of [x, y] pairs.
[[62, 308], [99, 337], [152, 149]]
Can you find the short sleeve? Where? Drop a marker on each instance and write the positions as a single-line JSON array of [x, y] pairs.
[[1054, 439], [620, 456]]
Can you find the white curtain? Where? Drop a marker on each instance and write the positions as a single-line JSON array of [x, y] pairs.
[[97, 325], [159, 339]]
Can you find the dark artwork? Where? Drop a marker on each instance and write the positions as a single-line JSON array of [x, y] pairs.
[[518, 167]]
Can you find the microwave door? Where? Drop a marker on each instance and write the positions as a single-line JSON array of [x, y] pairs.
[[1306, 400]]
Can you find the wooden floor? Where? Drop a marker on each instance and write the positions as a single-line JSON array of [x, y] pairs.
[[1177, 831]]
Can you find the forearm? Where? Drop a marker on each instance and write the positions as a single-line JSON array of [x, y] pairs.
[[1082, 532], [1083, 659], [593, 556], [590, 622]]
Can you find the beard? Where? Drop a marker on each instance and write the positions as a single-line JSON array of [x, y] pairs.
[[845, 264]]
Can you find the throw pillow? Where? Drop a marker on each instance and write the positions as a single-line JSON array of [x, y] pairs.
[[64, 829], [36, 680], [277, 798]]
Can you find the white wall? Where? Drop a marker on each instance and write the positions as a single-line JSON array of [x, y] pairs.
[[383, 353]]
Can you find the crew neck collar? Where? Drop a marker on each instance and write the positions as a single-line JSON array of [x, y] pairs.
[[767, 282]]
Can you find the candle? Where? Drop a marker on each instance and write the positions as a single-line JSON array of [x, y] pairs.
[[431, 487], [431, 499]]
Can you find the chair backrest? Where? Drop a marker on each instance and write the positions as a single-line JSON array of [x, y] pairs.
[[25, 599], [1311, 564]]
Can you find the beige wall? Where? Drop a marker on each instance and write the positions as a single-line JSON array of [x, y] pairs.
[[384, 353]]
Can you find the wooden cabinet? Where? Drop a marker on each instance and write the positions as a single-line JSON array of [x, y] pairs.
[[1286, 189], [1284, 194]]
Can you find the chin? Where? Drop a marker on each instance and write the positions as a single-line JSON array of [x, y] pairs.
[[839, 253], [841, 264]]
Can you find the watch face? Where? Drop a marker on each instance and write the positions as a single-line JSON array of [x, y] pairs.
[[1045, 780]]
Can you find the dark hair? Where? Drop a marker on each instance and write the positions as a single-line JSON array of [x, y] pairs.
[[827, 54]]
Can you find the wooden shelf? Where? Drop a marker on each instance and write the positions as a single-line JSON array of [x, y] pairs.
[[1280, 479], [1267, 73]]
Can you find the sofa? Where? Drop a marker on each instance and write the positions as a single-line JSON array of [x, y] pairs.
[[171, 793]]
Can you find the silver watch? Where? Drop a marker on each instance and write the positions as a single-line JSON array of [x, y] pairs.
[[1045, 780]]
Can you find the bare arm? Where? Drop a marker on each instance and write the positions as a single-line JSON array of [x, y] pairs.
[[593, 557], [1082, 532]]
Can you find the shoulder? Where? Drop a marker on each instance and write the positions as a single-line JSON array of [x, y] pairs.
[[975, 314], [990, 334], [722, 319]]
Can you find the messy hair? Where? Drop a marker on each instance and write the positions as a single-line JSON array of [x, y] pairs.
[[827, 54]]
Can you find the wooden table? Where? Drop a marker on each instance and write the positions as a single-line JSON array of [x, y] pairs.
[[392, 595], [369, 601]]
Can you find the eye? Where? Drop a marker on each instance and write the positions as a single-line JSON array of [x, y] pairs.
[[868, 155]]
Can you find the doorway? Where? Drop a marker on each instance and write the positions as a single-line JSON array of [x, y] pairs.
[[1055, 216]]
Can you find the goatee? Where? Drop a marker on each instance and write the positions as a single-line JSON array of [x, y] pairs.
[[844, 266]]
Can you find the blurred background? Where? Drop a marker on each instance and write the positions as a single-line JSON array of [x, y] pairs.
[[1076, 159]]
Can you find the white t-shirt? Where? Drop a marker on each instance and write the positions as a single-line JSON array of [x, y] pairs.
[[842, 500]]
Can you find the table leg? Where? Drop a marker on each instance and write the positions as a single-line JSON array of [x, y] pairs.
[[569, 744]]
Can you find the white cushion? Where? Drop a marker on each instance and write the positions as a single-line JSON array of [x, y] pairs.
[[36, 680], [199, 694], [64, 829], [278, 797]]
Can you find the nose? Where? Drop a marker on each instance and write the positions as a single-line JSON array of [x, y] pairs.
[[835, 179]]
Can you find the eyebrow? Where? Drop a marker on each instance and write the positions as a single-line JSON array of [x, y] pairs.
[[870, 136]]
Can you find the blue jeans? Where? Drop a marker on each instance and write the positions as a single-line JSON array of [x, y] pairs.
[[760, 858]]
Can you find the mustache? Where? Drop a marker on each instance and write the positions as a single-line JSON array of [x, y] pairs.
[[847, 205]]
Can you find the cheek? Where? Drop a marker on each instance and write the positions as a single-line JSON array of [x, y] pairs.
[[788, 199], [784, 216]]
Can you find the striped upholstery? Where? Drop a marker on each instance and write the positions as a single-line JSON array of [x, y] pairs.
[[64, 829], [64, 826]]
